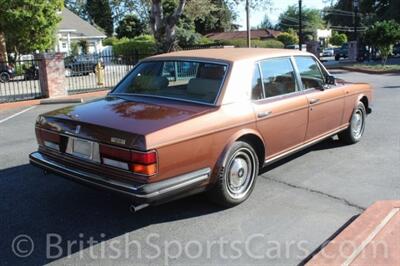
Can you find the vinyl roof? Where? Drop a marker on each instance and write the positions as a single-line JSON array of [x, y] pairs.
[[230, 54]]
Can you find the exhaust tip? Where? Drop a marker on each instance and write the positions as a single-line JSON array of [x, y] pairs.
[[133, 208]]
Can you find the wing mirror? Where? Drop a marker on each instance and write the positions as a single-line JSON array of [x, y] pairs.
[[330, 79]]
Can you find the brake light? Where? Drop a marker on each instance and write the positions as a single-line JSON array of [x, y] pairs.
[[143, 163], [50, 139], [144, 157]]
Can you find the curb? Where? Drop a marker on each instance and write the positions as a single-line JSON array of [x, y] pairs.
[[75, 98], [361, 70]]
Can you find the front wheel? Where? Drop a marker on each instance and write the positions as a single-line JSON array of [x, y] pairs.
[[356, 128], [4, 77], [236, 178]]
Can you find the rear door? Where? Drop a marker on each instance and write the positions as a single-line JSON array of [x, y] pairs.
[[326, 103], [279, 104]]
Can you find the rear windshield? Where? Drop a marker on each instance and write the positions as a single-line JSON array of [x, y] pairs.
[[183, 80]]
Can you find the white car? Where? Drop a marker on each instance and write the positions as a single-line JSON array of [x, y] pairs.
[[328, 52]]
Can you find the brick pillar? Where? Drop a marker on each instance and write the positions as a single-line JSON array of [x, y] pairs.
[[52, 75]]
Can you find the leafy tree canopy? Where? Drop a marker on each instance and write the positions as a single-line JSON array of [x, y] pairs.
[[29, 25], [130, 26], [338, 39], [288, 38], [99, 12], [266, 23], [312, 19]]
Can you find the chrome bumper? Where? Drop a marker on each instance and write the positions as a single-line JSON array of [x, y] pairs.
[[151, 192]]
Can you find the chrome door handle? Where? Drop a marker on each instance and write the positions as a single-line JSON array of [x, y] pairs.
[[314, 101], [263, 114]]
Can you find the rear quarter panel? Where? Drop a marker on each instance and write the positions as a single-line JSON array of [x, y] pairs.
[[199, 142]]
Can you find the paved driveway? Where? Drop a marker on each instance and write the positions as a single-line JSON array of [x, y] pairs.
[[297, 203]]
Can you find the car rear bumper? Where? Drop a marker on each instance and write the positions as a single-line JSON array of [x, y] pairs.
[[142, 193]]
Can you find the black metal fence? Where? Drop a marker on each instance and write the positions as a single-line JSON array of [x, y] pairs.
[[97, 72], [19, 80]]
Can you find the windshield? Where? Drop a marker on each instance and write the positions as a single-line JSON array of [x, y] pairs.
[[184, 80]]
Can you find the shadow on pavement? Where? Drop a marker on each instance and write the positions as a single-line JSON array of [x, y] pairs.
[[330, 143], [35, 204]]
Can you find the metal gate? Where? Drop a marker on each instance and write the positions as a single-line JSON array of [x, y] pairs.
[[80, 71], [20, 80]]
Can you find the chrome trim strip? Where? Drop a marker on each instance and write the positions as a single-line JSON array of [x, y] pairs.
[[39, 159], [301, 147]]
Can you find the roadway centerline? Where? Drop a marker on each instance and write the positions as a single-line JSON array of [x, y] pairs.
[[17, 114]]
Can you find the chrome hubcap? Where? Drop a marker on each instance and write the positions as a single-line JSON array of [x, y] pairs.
[[240, 175], [357, 124]]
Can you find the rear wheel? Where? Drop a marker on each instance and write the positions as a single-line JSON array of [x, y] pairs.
[[237, 177], [356, 128]]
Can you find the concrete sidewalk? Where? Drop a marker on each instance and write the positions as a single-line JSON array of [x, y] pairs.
[[68, 99]]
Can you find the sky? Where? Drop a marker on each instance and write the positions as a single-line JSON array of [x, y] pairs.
[[277, 7]]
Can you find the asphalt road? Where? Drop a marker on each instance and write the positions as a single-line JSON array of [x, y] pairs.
[[296, 205]]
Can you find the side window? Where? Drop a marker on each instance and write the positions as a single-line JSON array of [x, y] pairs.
[[256, 85], [310, 73], [278, 77]]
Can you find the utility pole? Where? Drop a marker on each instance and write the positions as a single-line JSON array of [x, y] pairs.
[[356, 6], [300, 27], [248, 23]]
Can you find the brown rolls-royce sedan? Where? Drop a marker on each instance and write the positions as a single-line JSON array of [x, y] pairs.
[[203, 120]]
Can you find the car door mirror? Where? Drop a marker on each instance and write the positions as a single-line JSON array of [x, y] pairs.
[[330, 79]]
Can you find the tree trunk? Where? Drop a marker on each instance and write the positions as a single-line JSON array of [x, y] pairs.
[[3, 50], [164, 28]]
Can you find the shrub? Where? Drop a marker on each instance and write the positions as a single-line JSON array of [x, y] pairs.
[[270, 43], [145, 45], [338, 39], [288, 38]]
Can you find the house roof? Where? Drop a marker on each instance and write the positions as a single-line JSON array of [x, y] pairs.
[[255, 34], [77, 26], [228, 54]]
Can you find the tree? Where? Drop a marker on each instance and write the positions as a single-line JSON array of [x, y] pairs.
[[130, 27], [99, 12], [312, 20], [265, 23], [219, 19], [288, 38], [29, 25], [84, 45], [383, 35], [338, 39]]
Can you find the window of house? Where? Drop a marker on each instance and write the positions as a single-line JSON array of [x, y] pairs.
[[278, 77], [64, 45], [310, 72]]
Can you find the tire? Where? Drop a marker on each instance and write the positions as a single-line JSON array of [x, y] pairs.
[[356, 128], [236, 178], [4, 77]]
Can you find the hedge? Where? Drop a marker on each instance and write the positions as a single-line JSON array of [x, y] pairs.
[[270, 43], [144, 45]]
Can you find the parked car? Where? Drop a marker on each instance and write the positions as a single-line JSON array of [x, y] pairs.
[[156, 139], [31, 72], [7, 72], [328, 52], [342, 52], [80, 65]]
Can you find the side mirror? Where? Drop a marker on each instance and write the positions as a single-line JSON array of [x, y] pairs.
[[330, 79]]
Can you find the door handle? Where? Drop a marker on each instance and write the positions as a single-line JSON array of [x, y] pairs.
[[314, 101], [263, 114]]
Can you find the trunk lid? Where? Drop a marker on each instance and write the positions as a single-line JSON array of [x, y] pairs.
[[122, 121]]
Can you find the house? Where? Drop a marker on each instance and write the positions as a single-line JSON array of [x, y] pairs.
[[260, 34], [72, 29]]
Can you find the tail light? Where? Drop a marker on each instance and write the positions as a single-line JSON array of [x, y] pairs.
[[142, 163], [50, 139]]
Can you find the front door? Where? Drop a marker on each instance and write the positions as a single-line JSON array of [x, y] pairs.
[[281, 108], [326, 103]]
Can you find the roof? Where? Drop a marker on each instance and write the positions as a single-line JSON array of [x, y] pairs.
[[230, 54], [80, 27], [255, 34]]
